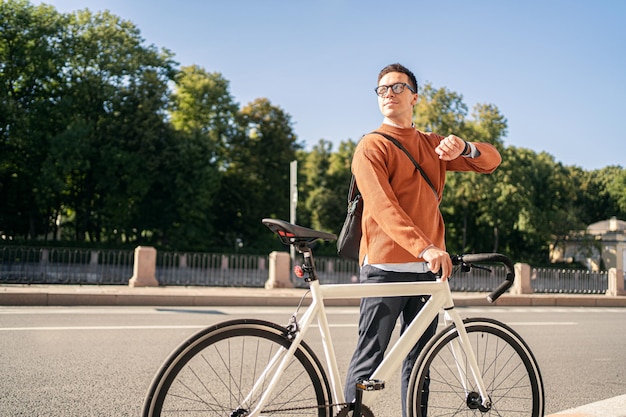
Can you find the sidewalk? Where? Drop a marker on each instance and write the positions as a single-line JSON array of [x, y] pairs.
[[121, 295], [612, 407]]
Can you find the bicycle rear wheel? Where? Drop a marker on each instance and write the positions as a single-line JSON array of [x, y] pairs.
[[445, 382], [213, 372]]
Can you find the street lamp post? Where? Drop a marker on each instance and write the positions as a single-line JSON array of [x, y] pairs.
[[293, 202]]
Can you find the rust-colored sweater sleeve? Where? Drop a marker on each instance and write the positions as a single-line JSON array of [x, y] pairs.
[[401, 214]]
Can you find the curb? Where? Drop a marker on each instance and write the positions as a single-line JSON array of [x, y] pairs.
[[81, 295]]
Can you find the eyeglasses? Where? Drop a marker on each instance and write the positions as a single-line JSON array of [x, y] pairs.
[[397, 88]]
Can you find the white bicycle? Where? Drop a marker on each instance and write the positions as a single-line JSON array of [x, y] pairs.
[[251, 367]]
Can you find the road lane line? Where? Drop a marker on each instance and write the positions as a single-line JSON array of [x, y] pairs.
[[63, 328], [200, 326], [541, 323]]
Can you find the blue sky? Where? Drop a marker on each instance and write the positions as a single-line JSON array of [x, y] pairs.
[[556, 69]]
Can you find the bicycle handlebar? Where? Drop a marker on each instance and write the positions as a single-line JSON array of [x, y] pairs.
[[490, 257]]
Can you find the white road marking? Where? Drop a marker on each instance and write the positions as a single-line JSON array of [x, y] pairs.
[[64, 328], [200, 326]]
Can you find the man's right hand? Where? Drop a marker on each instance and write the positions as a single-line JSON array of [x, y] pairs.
[[438, 261]]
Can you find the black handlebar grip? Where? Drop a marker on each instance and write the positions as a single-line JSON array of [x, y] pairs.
[[494, 257]]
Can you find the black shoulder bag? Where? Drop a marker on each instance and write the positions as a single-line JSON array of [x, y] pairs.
[[349, 239]]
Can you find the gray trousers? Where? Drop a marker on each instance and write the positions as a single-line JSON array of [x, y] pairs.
[[378, 317]]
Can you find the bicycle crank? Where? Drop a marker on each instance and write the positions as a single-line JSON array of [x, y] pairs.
[[474, 402], [346, 411], [239, 412]]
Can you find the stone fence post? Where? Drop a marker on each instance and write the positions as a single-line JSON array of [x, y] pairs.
[[522, 283], [144, 268], [279, 271], [45, 255], [616, 282]]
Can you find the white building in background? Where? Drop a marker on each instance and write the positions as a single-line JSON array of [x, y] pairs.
[[601, 246]]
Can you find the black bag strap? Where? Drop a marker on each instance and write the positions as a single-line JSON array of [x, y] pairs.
[[353, 189], [417, 166]]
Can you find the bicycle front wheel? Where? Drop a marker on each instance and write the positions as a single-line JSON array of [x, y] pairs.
[[214, 372], [442, 383]]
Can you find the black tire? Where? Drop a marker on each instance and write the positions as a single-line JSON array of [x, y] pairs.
[[509, 370], [211, 374]]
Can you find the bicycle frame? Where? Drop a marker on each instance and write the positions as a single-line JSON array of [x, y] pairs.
[[440, 299]]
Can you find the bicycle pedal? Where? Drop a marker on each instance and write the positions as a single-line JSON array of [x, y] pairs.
[[370, 385]]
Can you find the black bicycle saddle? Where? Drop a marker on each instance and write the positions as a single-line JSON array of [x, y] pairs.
[[290, 233]]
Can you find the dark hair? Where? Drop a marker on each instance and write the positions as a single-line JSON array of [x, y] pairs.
[[399, 68]]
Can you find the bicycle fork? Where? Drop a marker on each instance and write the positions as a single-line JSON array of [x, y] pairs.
[[460, 345]]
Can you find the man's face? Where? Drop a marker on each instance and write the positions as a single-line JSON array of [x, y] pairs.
[[396, 106]]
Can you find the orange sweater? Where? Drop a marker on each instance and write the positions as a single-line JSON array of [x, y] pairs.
[[401, 215]]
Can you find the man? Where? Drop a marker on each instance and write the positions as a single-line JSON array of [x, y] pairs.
[[403, 230]]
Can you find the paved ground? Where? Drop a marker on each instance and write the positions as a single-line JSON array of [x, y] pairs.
[[80, 295]]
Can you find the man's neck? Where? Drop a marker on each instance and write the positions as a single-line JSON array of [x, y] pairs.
[[395, 123]]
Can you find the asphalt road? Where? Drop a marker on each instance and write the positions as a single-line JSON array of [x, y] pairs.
[[99, 361]]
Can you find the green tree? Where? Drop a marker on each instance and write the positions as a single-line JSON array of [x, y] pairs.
[[601, 194], [30, 71], [440, 110], [114, 98], [538, 197], [325, 187], [319, 199], [256, 177], [202, 114], [617, 190]]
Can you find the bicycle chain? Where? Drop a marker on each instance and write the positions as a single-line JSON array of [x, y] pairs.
[[344, 406]]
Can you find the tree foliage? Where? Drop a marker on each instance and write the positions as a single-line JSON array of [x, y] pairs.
[[255, 184], [29, 88], [104, 139], [201, 116]]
